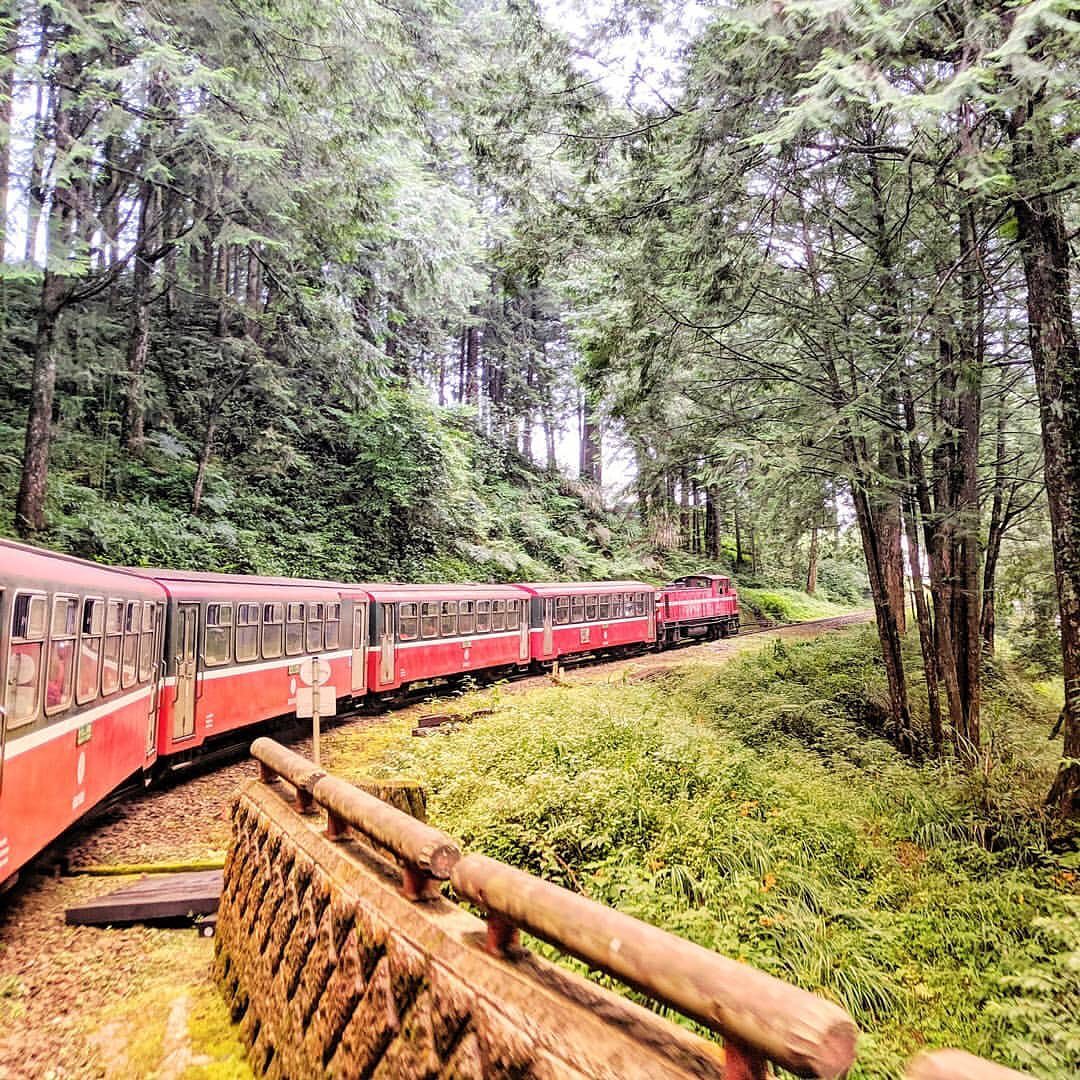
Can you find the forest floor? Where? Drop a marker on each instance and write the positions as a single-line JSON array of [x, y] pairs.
[[85, 1002]]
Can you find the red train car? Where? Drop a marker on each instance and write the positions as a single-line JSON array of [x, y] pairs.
[[425, 632], [589, 617], [80, 648], [699, 605], [234, 645]]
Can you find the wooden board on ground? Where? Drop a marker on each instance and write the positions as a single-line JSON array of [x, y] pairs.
[[151, 899]]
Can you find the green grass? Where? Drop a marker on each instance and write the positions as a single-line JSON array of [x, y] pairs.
[[787, 605], [752, 811]]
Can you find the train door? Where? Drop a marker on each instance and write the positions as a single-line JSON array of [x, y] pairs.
[[359, 646], [386, 645], [155, 685], [523, 639], [651, 601], [186, 658], [549, 620]]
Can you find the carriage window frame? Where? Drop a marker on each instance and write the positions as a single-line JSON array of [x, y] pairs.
[[30, 636], [295, 617], [147, 653], [408, 620], [67, 634], [272, 632], [603, 607], [577, 608], [641, 606], [467, 617], [112, 647], [448, 618], [91, 642], [562, 610], [429, 620], [129, 655], [498, 616], [513, 614], [483, 616], [332, 626], [590, 607], [247, 631], [313, 632], [217, 649]]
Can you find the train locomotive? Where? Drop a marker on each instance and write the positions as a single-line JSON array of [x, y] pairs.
[[110, 673]]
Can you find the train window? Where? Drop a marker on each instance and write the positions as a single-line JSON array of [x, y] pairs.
[[24, 660], [332, 633], [429, 620], [294, 629], [483, 616], [114, 626], [247, 631], [147, 659], [219, 619], [498, 614], [639, 603], [273, 630], [314, 627], [131, 644], [408, 622], [590, 608], [60, 680], [604, 607], [577, 609], [448, 624], [513, 614], [562, 610], [93, 625], [467, 617], [616, 605]]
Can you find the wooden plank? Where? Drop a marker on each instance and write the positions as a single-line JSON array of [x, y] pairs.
[[167, 896]]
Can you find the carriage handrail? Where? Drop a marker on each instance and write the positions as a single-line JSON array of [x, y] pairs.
[[425, 852], [761, 1017]]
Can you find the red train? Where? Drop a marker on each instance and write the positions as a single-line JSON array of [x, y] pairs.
[[111, 673]]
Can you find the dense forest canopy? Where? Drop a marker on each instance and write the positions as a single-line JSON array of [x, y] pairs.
[[380, 267]]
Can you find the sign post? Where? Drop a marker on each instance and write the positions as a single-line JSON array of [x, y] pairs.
[[315, 699]]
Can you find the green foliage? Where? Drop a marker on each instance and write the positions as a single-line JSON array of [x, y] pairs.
[[753, 812], [787, 605]]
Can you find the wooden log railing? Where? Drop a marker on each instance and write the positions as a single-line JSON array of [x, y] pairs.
[[761, 1018]]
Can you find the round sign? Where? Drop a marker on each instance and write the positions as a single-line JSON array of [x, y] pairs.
[[314, 672]]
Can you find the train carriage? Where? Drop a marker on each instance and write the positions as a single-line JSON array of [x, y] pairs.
[[569, 619], [697, 606], [425, 632], [80, 648], [234, 645]]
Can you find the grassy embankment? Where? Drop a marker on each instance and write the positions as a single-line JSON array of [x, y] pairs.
[[752, 809]]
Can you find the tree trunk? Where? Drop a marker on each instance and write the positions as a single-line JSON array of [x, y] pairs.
[[139, 338], [995, 533], [204, 461], [591, 468], [926, 630], [9, 11], [55, 293], [812, 561], [1055, 355], [472, 363], [43, 108]]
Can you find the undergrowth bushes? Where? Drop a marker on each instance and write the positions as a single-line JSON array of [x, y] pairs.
[[753, 811]]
